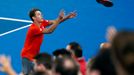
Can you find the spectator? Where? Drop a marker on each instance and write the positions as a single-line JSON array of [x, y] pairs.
[[111, 32], [66, 66], [119, 60], [123, 52], [61, 53], [76, 52], [43, 64], [102, 64]]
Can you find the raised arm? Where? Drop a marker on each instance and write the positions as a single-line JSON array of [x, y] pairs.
[[62, 14], [69, 16], [54, 24], [61, 18]]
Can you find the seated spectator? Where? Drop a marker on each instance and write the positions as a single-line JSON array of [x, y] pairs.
[[102, 64], [61, 53], [66, 66], [123, 52], [43, 64], [119, 60], [76, 52]]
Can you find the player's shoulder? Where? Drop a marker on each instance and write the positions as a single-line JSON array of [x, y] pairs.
[[33, 27], [45, 21]]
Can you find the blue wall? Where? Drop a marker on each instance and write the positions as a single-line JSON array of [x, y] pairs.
[[88, 28]]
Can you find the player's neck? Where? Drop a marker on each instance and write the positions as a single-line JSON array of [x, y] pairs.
[[37, 23]]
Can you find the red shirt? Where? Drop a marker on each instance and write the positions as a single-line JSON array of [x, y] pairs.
[[82, 64], [33, 40]]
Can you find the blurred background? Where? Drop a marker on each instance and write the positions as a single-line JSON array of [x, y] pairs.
[[88, 28]]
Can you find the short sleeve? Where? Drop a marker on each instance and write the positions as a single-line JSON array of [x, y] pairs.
[[45, 23]]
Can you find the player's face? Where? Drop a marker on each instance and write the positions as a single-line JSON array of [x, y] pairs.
[[38, 16]]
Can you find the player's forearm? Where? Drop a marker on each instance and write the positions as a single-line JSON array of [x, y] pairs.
[[52, 27], [64, 19]]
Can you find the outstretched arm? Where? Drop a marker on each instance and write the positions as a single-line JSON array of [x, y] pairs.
[[61, 18], [54, 24], [62, 13], [69, 16]]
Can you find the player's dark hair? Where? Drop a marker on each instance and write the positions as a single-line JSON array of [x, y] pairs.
[[32, 13]]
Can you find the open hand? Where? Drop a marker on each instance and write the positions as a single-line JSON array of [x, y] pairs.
[[61, 14], [5, 62], [72, 14]]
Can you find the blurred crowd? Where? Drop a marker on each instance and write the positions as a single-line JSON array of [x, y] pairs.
[[115, 57]]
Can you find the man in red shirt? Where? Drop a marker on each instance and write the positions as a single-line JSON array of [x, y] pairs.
[[34, 36], [76, 52]]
